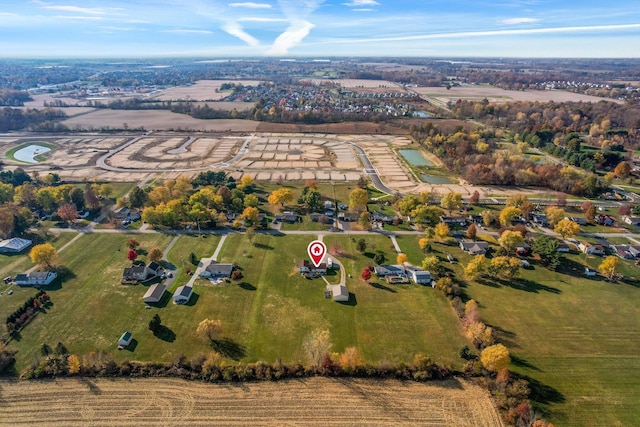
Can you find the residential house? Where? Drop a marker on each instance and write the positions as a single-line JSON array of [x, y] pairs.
[[121, 213], [155, 293], [420, 277], [606, 220], [14, 245], [216, 270], [540, 219], [578, 220], [287, 216], [385, 219], [590, 248], [631, 220], [563, 248], [340, 293], [182, 294], [626, 251], [35, 278], [389, 270], [476, 219], [125, 339], [306, 267], [458, 221], [348, 216], [137, 273], [474, 248]]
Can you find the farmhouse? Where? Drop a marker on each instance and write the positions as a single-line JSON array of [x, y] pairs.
[[139, 273], [591, 249], [14, 245], [474, 248], [305, 267], [182, 295], [35, 278], [340, 293], [216, 270], [154, 293], [420, 277], [125, 339]]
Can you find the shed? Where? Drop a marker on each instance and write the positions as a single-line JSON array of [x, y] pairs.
[[182, 295], [154, 293], [125, 339], [340, 293], [421, 277], [589, 273]]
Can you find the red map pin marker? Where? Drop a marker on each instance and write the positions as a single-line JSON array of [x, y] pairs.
[[317, 250]]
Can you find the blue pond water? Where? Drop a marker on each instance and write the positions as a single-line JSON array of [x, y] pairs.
[[28, 154]]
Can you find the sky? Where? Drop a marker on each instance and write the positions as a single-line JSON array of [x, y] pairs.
[[319, 28]]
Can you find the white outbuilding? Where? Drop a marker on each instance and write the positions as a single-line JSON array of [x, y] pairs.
[[125, 339], [340, 293]]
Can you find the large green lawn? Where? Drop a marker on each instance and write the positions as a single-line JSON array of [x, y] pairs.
[[576, 338], [265, 317]]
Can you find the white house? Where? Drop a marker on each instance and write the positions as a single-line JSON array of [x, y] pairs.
[[591, 249], [35, 278], [14, 245], [215, 269], [420, 277], [182, 294], [631, 220], [154, 293], [340, 293], [125, 339]]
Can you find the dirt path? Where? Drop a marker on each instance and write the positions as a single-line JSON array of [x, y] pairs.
[[309, 402]]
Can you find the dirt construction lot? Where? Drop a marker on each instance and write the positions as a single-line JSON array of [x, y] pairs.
[[309, 402]]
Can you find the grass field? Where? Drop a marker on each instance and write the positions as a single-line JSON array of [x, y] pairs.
[[179, 255], [575, 338], [308, 402]]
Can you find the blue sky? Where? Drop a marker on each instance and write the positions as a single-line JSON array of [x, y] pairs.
[[317, 28]]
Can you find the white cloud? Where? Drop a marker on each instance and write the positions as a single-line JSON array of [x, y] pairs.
[[236, 30], [291, 37], [363, 10], [182, 31], [79, 17], [76, 9], [251, 5], [258, 19], [360, 3], [516, 21]]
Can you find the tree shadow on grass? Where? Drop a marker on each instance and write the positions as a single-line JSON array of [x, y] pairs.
[[531, 286], [542, 393], [383, 287], [263, 246], [504, 336], [165, 334], [229, 348], [247, 286], [523, 363]]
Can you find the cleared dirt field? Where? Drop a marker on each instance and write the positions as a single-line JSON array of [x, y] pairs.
[[494, 94], [156, 120], [203, 90], [310, 402]]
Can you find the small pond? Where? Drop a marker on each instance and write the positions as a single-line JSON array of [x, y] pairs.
[[28, 154], [415, 158], [431, 179]]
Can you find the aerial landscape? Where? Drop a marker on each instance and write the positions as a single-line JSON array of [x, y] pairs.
[[319, 213]]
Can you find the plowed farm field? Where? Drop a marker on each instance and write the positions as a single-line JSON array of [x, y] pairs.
[[309, 402]]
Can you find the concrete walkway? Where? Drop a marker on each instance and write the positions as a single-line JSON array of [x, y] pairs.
[[335, 261], [395, 243]]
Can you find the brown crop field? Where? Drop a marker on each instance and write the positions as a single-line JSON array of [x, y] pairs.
[[495, 94], [155, 120], [203, 90], [310, 402]]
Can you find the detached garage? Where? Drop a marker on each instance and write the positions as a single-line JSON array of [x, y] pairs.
[[340, 293], [154, 293], [182, 294]]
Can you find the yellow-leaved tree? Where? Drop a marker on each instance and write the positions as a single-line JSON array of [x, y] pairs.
[[609, 266], [495, 357], [209, 329], [567, 228], [402, 258], [44, 255], [280, 196]]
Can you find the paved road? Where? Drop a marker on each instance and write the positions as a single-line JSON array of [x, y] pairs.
[[370, 170]]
